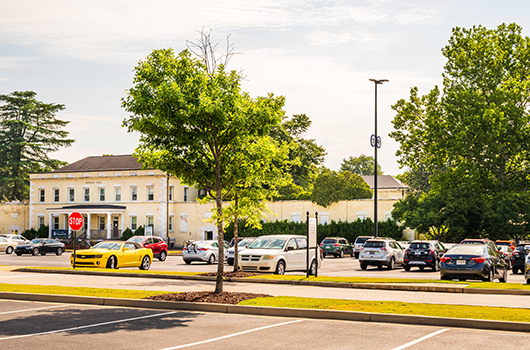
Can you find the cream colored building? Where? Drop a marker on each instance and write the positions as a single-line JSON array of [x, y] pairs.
[[113, 193], [14, 217]]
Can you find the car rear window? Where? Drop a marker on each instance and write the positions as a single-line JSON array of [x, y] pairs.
[[470, 249], [329, 240], [361, 239], [420, 246], [374, 244]]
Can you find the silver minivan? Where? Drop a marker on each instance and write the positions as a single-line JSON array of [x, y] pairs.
[[381, 252]]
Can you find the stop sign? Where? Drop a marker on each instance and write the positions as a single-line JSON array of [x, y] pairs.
[[75, 221]]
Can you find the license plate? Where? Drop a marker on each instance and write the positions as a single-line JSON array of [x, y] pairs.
[[418, 253], [327, 247], [372, 253], [460, 262]]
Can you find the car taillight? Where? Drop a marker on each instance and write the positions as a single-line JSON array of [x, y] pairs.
[[515, 253], [362, 248], [431, 252], [203, 249], [445, 259], [479, 259], [321, 244], [384, 248], [336, 245]]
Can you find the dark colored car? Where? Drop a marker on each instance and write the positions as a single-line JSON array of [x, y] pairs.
[[40, 246], [519, 256], [336, 246], [473, 261], [156, 244], [423, 254], [507, 252]]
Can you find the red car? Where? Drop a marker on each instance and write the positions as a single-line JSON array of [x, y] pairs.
[[156, 244]]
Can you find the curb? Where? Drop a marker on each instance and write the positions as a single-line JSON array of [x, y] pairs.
[[381, 286], [277, 312]]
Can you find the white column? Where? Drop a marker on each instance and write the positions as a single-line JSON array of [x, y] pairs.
[[122, 227], [50, 223], [88, 225], [108, 226]]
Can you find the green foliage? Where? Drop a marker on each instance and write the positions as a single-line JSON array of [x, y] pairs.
[[29, 131], [30, 234], [362, 165], [348, 230], [126, 234], [471, 139], [43, 231], [331, 187], [139, 231]]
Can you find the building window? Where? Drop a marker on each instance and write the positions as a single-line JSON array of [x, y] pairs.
[[361, 215], [134, 194], [150, 193], [41, 196], [55, 222], [86, 194], [186, 194], [295, 217], [324, 218], [71, 194], [41, 221], [150, 222], [134, 223], [102, 194], [184, 223], [101, 222], [56, 195], [171, 188], [117, 194], [170, 224]]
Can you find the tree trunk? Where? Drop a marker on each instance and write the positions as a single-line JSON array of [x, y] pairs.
[[220, 230], [236, 243]]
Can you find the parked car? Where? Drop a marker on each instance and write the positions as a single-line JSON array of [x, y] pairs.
[[156, 244], [336, 246], [508, 243], [423, 254], [242, 244], [507, 252], [40, 246], [7, 246], [113, 255], [476, 241], [527, 269], [381, 252], [201, 251], [519, 256], [473, 261], [278, 254], [359, 241], [15, 238]]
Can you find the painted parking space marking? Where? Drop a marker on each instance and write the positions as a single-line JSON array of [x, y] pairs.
[[35, 309], [421, 339], [88, 326], [231, 335]]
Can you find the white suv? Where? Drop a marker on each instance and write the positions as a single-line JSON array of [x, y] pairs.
[[278, 254], [381, 252]]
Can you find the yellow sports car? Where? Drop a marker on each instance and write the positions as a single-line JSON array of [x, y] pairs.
[[113, 255]]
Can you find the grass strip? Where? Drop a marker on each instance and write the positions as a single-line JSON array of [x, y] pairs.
[[152, 272], [81, 291], [396, 307]]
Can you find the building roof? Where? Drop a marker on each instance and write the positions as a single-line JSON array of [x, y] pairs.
[[384, 181], [102, 163]]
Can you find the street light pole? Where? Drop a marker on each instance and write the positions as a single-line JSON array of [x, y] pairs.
[[376, 143]]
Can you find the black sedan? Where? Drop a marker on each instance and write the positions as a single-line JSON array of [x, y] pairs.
[[473, 261], [40, 246]]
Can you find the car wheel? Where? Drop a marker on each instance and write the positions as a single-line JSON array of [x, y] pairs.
[[323, 255], [18, 254], [342, 253], [515, 270], [392, 264], [489, 277], [187, 262], [406, 267], [9, 250], [504, 277], [462, 279], [59, 251], [435, 266], [380, 267], [356, 255], [444, 278], [280, 268], [112, 263], [163, 256], [363, 266], [211, 259], [352, 254], [35, 252], [528, 281], [42, 253], [146, 263], [313, 268], [422, 268]]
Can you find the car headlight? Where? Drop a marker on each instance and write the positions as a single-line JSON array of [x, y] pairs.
[[98, 256], [239, 258], [267, 257]]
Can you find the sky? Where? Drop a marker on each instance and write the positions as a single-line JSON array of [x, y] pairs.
[[320, 55]]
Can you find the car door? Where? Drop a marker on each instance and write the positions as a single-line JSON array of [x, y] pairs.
[[150, 244], [130, 256], [292, 255], [496, 263], [3, 244], [302, 253], [399, 252]]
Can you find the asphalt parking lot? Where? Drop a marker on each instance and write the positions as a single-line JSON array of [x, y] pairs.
[[65, 326]]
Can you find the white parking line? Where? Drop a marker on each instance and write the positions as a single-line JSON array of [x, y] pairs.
[[88, 326], [231, 335], [420, 339], [39, 308]]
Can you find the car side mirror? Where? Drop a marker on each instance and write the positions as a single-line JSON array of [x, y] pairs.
[[125, 248], [290, 248]]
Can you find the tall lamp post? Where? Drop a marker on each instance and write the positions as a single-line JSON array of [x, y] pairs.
[[376, 143]]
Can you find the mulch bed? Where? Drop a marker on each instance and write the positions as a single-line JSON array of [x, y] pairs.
[[209, 297], [234, 274]]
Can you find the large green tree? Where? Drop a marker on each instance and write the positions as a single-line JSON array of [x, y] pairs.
[[331, 187], [361, 165], [472, 136], [194, 120], [29, 131]]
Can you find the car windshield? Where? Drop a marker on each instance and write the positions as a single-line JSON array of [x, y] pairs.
[[469, 249], [245, 242], [374, 244], [107, 245], [521, 247], [136, 239], [504, 248], [37, 241], [472, 242], [329, 240], [420, 246], [268, 243]]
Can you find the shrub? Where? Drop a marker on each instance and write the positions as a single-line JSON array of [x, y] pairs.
[[126, 234], [139, 231], [29, 234]]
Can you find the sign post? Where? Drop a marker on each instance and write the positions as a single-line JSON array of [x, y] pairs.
[[311, 241], [75, 221]]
